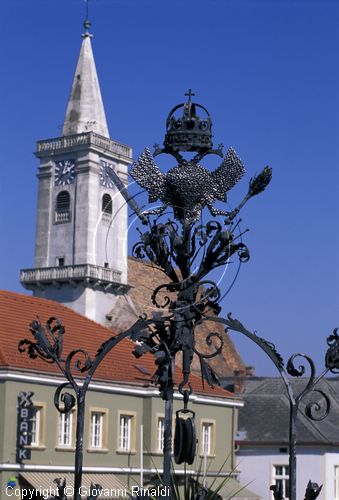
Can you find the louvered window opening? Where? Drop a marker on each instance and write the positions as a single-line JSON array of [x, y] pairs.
[[107, 205], [62, 208]]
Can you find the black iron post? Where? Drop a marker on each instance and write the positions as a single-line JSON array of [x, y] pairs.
[[167, 446], [79, 445], [292, 493]]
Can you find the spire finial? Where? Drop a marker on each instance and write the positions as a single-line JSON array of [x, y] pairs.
[[189, 94], [87, 23]]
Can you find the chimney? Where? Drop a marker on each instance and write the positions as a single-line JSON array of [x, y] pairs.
[[249, 371], [239, 386]]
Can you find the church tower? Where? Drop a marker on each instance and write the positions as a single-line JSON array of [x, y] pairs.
[[81, 244]]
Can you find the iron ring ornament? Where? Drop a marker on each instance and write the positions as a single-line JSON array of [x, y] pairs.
[[186, 251]]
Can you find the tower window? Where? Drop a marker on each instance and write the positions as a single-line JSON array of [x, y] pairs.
[[107, 206], [63, 207]]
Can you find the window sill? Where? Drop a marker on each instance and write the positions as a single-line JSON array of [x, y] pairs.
[[106, 219], [37, 447], [97, 450], [126, 452], [65, 448], [207, 456], [157, 453]]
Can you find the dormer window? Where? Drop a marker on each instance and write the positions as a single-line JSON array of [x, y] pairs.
[[63, 207]]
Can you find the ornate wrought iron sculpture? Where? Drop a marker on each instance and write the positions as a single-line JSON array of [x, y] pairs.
[[186, 250], [188, 187]]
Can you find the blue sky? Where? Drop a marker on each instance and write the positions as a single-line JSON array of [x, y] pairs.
[[267, 71]]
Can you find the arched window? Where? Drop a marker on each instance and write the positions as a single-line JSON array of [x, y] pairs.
[[107, 206], [63, 207]]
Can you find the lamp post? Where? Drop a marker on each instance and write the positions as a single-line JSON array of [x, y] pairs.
[[186, 250]]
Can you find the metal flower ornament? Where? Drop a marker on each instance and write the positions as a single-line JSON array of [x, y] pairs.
[[186, 250]]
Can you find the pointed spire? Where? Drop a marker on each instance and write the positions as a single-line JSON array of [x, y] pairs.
[[85, 110]]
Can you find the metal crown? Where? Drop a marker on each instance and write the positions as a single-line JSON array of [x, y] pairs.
[[189, 131]]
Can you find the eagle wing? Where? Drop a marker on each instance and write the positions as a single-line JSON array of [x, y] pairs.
[[227, 174], [146, 173]]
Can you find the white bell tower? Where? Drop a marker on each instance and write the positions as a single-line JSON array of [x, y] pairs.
[[81, 235]]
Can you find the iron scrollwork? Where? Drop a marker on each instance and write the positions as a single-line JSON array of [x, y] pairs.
[[186, 251], [78, 365]]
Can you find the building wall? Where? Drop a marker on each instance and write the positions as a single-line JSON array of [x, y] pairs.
[[255, 466], [331, 460], [48, 456], [2, 420]]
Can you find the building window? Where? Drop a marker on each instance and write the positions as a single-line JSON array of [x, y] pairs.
[[63, 207], [37, 425], [97, 429], [336, 482], [35, 429], [207, 430], [66, 429], [126, 432], [60, 261], [160, 433], [107, 205], [281, 477]]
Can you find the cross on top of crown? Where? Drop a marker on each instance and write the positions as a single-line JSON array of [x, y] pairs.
[[189, 94]]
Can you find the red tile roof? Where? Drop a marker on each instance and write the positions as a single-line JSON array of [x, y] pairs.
[[120, 366]]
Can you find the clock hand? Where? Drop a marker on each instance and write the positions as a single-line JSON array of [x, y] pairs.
[[125, 194]]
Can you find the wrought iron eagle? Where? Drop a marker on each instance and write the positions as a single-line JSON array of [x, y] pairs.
[[187, 187]]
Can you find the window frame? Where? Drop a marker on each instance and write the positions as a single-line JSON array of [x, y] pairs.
[[284, 477], [336, 482], [40, 443], [60, 261], [72, 429], [159, 449], [132, 432], [212, 430], [107, 210], [62, 215], [104, 430]]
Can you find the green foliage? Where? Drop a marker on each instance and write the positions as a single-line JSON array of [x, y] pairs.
[[190, 485]]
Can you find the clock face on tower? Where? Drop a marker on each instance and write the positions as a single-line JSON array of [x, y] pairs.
[[105, 174], [64, 172]]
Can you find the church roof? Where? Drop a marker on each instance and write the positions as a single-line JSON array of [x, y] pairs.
[[120, 366], [85, 109], [144, 278]]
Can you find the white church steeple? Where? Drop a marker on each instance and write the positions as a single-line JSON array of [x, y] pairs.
[[85, 109], [81, 245]]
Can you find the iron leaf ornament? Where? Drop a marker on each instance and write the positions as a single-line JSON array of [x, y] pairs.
[[48, 340]]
